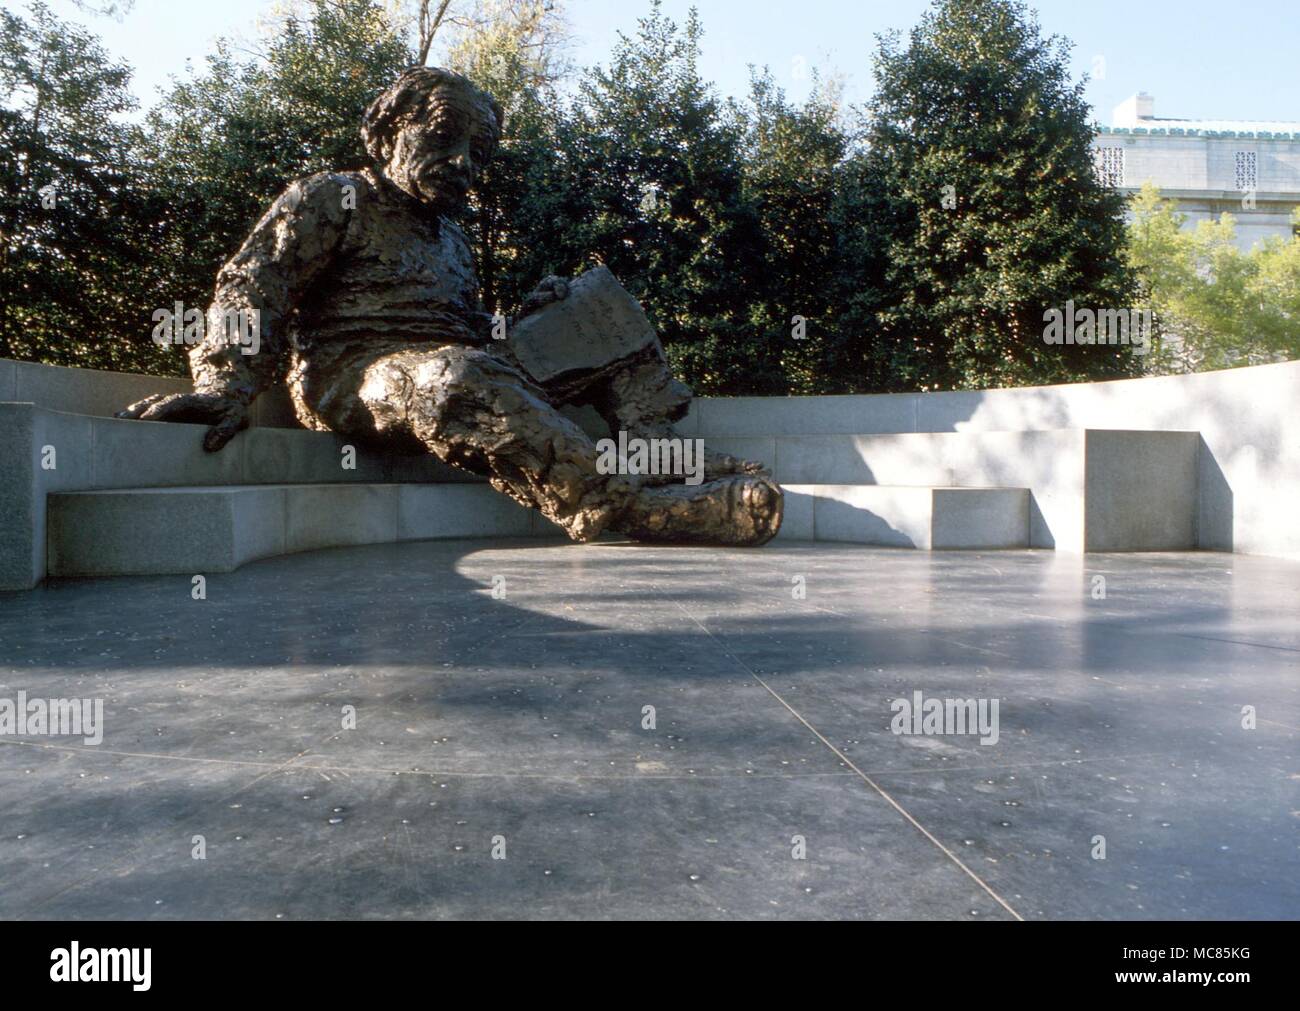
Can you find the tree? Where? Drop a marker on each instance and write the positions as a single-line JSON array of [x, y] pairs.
[[992, 210], [655, 174], [428, 20], [514, 50], [1275, 287], [814, 297], [1217, 306], [77, 227], [226, 141]]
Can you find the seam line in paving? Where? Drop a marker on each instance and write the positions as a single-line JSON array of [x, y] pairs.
[[294, 763], [893, 803], [128, 863], [848, 762], [1238, 642]]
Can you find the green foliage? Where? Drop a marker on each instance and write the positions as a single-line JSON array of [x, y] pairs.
[[509, 48], [979, 102], [224, 142], [819, 243], [724, 220], [659, 161], [1217, 306], [144, 218], [74, 222], [778, 247]]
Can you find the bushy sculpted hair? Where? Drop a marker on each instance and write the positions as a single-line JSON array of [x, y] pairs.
[[406, 101]]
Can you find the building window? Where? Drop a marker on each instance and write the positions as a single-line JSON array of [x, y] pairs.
[[1110, 165], [1246, 170]]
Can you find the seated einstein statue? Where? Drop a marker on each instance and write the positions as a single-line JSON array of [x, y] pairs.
[[368, 303]]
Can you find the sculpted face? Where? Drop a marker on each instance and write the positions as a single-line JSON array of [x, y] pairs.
[[436, 158]]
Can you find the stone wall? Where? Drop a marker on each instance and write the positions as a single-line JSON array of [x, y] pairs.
[[1243, 424], [1248, 465]]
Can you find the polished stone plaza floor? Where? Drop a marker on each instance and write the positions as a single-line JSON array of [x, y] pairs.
[[504, 762]]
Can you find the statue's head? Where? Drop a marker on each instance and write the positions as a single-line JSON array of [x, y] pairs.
[[430, 133]]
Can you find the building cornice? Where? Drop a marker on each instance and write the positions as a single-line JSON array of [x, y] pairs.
[[1177, 131], [1224, 196]]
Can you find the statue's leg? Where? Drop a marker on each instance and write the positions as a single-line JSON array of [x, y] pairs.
[[475, 411], [643, 398], [736, 509]]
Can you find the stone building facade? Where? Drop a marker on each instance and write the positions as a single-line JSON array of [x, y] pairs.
[[1248, 169]]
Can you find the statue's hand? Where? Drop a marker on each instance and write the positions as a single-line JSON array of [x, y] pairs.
[[551, 289], [227, 415]]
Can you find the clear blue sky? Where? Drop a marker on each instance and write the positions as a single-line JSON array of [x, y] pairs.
[[1202, 59]]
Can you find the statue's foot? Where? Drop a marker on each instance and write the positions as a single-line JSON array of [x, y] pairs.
[[740, 510]]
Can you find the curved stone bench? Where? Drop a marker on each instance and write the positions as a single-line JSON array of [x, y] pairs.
[[44, 452], [932, 519], [1247, 419], [155, 531], [150, 531], [1209, 460]]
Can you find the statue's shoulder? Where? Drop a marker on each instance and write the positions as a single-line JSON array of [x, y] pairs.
[[451, 228], [341, 190], [321, 204]]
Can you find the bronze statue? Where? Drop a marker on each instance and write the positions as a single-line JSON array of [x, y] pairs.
[[367, 298]]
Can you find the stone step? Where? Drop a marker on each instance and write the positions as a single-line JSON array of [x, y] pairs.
[[44, 451], [96, 452], [933, 518], [156, 531], [1092, 489], [1209, 460]]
